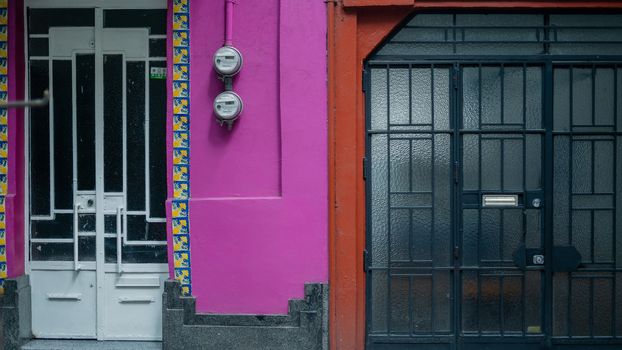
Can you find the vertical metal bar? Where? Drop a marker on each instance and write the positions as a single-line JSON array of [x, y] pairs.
[[524, 216], [124, 127], [410, 306], [592, 214], [74, 159], [479, 211], [76, 238], [433, 193], [501, 103], [147, 143], [410, 95], [547, 35], [99, 170], [455, 121], [432, 96], [615, 200], [51, 139], [593, 95], [591, 315], [570, 199], [388, 201], [119, 242], [548, 201], [454, 33]]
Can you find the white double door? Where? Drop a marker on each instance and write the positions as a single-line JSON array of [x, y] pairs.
[[98, 255]]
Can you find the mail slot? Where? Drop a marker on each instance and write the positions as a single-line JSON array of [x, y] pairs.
[[500, 200]]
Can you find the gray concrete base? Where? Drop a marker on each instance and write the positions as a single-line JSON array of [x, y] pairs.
[[15, 313], [90, 345], [305, 327]]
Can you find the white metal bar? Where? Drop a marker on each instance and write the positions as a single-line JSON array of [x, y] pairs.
[[28, 186], [157, 36], [76, 264], [51, 240], [51, 130], [99, 170], [35, 36], [74, 156], [147, 142], [156, 220], [149, 59], [143, 243], [61, 265], [124, 155], [119, 242], [138, 268]]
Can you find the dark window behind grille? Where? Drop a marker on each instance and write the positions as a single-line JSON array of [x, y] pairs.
[[463, 107]]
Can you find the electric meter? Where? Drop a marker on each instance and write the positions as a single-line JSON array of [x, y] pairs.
[[227, 61], [228, 106]]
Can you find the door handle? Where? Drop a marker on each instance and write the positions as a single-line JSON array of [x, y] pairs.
[[76, 242], [119, 241]]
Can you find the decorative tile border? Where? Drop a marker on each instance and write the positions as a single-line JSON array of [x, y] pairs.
[[4, 142], [181, 144]]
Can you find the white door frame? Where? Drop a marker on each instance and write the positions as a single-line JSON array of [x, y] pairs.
[[105, 4], [99, 265]]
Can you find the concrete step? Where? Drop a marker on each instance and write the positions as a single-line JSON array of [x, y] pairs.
[[90, 345]]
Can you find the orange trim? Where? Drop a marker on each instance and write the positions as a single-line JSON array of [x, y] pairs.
[[352, 34]]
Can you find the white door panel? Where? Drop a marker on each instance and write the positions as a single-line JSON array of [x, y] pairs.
[[63, 304], [134, 306]]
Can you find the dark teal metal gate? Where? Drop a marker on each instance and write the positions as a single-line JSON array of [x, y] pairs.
[[494, 174]]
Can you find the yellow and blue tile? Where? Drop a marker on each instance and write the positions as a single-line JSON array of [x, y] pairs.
[[3, 139], [181, 72], [182, 259], [181, 156], [181, 143], [180, 242], [181, 38], [181, 190], [180, 122], [180, 226], [180, 89], [181, 139], [180, 209], [180, 172]]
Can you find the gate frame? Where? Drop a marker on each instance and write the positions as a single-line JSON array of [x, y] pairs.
[[355, 29]]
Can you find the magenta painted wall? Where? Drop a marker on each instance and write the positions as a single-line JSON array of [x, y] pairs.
[[15, 197], [258, 208]]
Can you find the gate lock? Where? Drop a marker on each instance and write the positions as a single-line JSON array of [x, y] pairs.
[[564, 258]]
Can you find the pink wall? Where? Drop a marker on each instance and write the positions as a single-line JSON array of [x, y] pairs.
[[15, 198], [258, 209]]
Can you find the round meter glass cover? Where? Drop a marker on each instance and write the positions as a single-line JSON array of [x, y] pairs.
[[228, 105], [228, 61]]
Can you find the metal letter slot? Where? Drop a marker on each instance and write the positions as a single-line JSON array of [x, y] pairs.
[[500, 200]]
